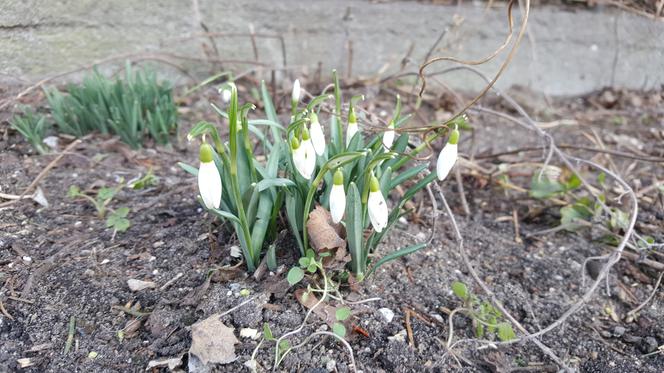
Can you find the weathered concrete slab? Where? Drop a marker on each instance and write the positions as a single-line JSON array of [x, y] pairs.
[[565, 52]]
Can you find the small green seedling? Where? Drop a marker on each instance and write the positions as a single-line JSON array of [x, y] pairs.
[[117, 219], [144, 182], [486, 318], [341, 314]]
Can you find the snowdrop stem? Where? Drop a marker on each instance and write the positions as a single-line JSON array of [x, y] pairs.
[[235, 185]]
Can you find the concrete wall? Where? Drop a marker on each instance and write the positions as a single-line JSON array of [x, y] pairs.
[[566, 52]]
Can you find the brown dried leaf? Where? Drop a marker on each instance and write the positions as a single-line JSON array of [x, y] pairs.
[[323, 233], [323, 310], [212, 341]]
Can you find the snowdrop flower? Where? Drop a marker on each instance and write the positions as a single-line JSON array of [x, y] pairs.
[[209, 180], [377, 206], [337, 197], [388, 136], [352, 129], [448, 156], [317, 135], [226, 95], [304, 155], [295, 98]]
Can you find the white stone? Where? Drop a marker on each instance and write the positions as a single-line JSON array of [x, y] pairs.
[[399, 337], [249, 333], [387, 314], [138, 285]]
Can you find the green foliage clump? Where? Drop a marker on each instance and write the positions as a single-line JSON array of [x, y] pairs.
[[33, 127], [132, 108]]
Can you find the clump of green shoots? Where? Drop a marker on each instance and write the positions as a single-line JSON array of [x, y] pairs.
[[138, 106], [237, 187], [352, 175], [33, 127], [348, 174]]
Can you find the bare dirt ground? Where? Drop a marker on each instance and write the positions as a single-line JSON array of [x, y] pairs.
[[61, 262]]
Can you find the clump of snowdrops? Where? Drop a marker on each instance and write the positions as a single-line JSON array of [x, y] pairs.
[[320, 158]]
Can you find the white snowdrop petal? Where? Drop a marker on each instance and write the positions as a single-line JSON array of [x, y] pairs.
[[337, 203], [446, 160], [388, 139], [226, 95], [377, 211], [309, 157], [209, 184], [318, 138], [299, 160], [351, 130]]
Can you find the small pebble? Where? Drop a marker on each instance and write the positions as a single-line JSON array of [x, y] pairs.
[[631, 338], [648, 344], [399, 337], [27, 259], [249, 333], [138, 285], [387, 314], [331, 366], [618, 331]]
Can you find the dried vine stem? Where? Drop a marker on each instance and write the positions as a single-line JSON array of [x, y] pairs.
[[612, 258], [501, 70]]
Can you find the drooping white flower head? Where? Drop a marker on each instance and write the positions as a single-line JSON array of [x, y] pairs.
[[388, 136], [226, 95], [448, 156], [309, 152], [295, 97], [317, 135], [304, 155], [377, 206], [209, 180], [337, 197], [352, 128]]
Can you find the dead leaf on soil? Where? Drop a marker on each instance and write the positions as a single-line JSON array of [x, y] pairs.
[[212, 341], [326, 236], [324, 310], [323, 233]]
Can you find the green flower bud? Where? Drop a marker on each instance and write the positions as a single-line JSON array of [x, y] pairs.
[[374, 185], [454, 137], [338, 177], [205, 154], [295, 143]]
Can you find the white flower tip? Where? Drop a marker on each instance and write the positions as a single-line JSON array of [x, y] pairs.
[[209, 185], [296, 90], [226, 95], [446, 161]]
